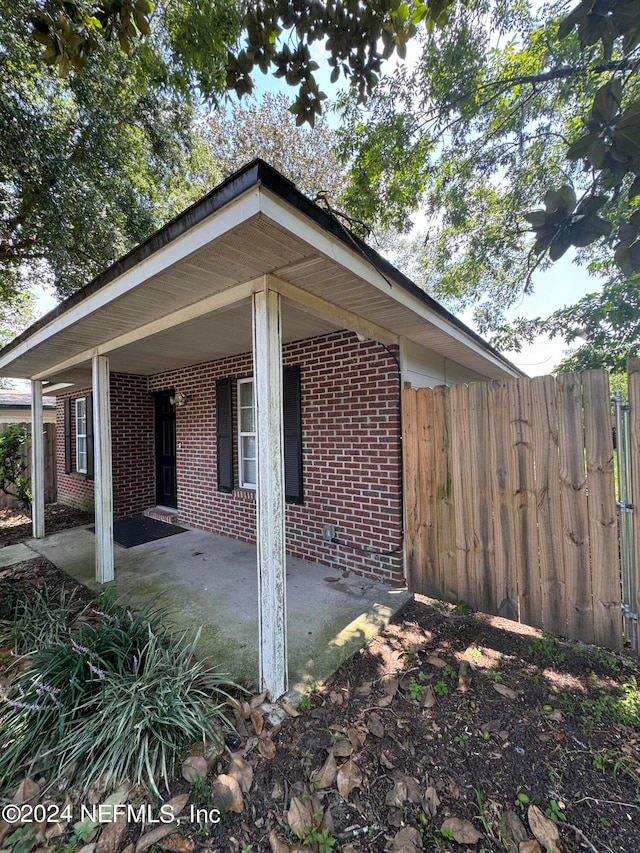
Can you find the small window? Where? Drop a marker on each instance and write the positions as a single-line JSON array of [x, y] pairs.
[[81, 435], [246, 435]]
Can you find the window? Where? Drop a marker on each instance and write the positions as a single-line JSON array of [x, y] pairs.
[[247, 444], [247, 474], [81, 435]]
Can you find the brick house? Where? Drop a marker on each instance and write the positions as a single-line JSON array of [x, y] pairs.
[[252, 320]]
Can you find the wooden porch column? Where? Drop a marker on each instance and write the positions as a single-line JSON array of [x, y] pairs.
[[102, 469], [37, 460], [272, 605]]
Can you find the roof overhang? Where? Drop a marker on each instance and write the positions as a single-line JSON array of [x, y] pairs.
[[184, 296]]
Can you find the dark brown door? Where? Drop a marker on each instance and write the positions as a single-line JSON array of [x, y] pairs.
[[166, 492]]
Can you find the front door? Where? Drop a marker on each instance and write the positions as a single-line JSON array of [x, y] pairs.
[[166, 492]]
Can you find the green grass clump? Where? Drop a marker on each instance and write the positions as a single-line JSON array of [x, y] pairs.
[[115, 697]]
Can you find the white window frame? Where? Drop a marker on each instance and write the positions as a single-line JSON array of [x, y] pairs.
[[81, 436], [244, 484]]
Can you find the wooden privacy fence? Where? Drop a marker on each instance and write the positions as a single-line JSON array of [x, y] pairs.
[[50, 476], [510, 500]]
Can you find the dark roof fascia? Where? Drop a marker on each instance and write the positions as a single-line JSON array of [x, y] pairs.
[[255, 173], [26, 406]]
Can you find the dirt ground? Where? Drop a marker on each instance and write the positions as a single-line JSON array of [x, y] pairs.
[[15, 524], [449, 727]]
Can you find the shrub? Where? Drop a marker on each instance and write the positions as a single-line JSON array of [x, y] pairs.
[[12, 467], [36, 620], [118, 698]]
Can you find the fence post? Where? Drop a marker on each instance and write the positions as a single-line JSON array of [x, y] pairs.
[[633, 379]]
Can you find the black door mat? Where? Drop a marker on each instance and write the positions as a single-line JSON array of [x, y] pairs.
[[130, 532]]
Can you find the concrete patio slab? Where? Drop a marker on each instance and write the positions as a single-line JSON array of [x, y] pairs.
[[11, 554], [209, 583]]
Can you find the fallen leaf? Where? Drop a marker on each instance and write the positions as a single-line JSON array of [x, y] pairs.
[[357, 737], [389, 685], [555, 715], [529, 847], [375, 725], [434, 660], [277, 844], [194, 768], [241, 771], [177, 804], [493, 726], [452, 788], [386, 762], [544, 829], [290, 710], [258, 721], [406, 841], [227, 791], [342, 749], [326, 776], [155, 836], [28, 792], [365, 689], [464, 676], [429, 698], [397, 795], [463, 831], [300, 816], [514, 828], [336, 698], [258, 700], [266, 747], [431, 801], [349, 777], [177, 844], [505, 691], [385, 701]]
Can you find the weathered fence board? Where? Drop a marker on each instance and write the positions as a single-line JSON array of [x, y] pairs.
[[573, 485], [601, 499], [518, 515], [523, 491], [545, 451], [505, 554], [634, 441], [50, 468]]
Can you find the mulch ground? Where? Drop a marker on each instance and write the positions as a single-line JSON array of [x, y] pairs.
[[15, 524], [444, 717]]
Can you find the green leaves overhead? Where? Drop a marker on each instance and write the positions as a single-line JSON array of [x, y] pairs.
[[561, 224], [92, 163], [69, 29]]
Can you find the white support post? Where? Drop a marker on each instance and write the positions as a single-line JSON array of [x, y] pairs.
[[102, 469], [37, 460], [272, 604]]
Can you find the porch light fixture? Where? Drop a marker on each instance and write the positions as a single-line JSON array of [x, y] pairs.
[[178, 399]]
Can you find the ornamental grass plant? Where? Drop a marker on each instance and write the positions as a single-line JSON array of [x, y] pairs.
[[114, 696]]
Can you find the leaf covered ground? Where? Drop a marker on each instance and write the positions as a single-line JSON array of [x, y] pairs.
[[450, 731]]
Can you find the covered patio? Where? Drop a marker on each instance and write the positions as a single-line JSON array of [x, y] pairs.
[[253, 268], [208, 583]]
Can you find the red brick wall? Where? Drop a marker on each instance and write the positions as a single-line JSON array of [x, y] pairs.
[[132, 437], [351, 453]]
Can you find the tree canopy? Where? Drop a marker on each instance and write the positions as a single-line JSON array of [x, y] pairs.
[[268, 129], [501, 107], [91, 163]]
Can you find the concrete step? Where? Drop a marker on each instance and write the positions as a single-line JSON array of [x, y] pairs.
[[162, 513]]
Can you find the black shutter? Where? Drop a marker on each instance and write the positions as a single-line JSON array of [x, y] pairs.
[[224, 435], [67, 436], [89, 410], [292, 416]]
